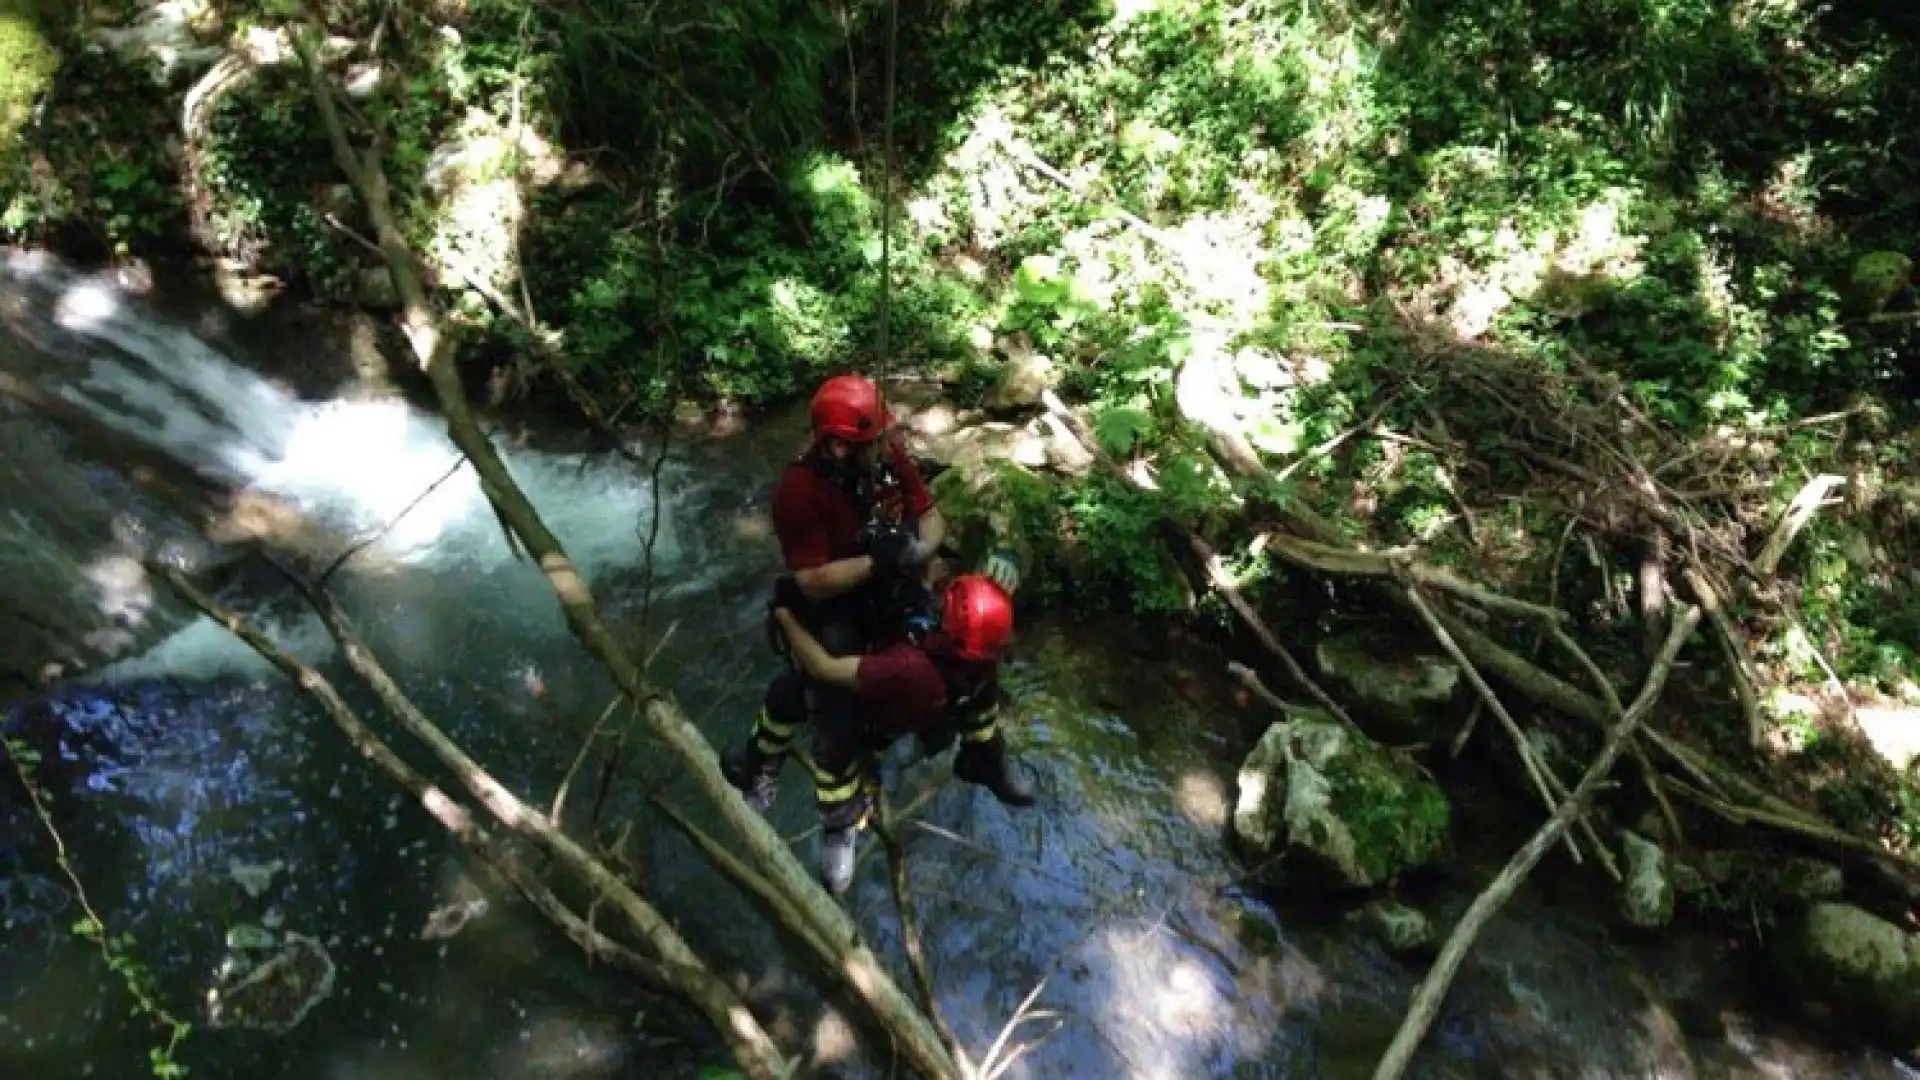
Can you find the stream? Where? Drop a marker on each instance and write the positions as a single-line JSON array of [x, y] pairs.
[[198, 791]]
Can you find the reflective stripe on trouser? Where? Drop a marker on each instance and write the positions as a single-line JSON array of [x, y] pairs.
[[843, 793], [771, 737], [979, 727]]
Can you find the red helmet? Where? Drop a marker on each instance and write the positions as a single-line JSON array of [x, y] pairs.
[[977, 616], [849, 407]]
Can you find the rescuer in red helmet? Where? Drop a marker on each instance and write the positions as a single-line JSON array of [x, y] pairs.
[[945, 675], [856, 526]]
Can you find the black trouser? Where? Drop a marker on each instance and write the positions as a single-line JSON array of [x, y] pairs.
[[844, 626]]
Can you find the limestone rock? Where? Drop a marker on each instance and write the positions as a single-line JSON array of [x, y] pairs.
[[1647, 894], [1401, 928], [1316, 786], [1024, 375], [1409, 691], [1854, 969]]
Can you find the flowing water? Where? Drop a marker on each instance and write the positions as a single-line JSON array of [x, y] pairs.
[[186, 769]]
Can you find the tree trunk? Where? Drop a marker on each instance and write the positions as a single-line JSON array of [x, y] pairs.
[[917, 1040]]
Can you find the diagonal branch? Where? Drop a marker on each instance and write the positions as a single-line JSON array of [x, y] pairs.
[[846, 955], [1433, 989], [686, 972]]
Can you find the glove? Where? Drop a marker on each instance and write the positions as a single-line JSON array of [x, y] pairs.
[[889, 550], [1003, 567], [787, 594]]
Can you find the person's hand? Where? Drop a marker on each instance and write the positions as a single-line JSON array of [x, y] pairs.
[[919, 553], [889, 549], [1003, 568], [787, 594]]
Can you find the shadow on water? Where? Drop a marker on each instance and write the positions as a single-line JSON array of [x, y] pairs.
[[182, 772]]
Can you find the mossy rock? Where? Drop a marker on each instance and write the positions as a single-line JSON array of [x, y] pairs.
[[1317, 786], [28, 62], [1647, 891], [1404, 693], [1855, 970]]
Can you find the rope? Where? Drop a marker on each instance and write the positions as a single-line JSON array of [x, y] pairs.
[[886, 206]]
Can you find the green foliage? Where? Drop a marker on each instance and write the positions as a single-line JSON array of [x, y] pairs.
[[28, 61], [93, 167], [264, 158]]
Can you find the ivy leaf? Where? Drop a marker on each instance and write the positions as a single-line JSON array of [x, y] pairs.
[[1118, 428], [1038, 280]]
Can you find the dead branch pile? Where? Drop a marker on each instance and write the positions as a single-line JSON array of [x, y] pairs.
[[1598, 444]]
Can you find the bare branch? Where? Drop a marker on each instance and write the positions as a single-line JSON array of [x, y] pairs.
[[1433, 989]]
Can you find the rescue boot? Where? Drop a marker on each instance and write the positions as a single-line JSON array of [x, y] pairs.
[[836, 859], [987, 763], [756, 775]]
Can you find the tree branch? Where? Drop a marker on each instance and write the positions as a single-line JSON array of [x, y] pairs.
[[688, 974], [1433, 989], [853, 961]]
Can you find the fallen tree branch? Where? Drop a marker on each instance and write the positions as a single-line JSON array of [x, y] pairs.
[[1222, 584], [1746, 678], [1649, 776], [1400, 565], [1529, 760], [740, 873], [910, 943], [685, 971], [861, 971], [1811, 497], [1433, 989], [457, 819]]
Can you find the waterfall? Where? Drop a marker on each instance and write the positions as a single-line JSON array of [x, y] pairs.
[[319, 476]]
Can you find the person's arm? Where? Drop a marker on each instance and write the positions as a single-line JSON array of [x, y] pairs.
[[812, 657], [808, 552], [929, 533], [829, 580]]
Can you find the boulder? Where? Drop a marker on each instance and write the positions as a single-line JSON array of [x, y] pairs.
[[1647, 891], [1024, 375], [1316, 786], [1406, 693], [1399, 927], [1854, 969]]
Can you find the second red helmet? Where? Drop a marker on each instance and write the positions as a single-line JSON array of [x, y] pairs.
[[977, 616]]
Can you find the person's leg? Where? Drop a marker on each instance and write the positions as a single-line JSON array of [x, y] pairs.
[[843, 789], [983, 759], [754, 767]]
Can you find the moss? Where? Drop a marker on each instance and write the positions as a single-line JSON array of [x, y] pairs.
[[1397, 821], [28, 62]]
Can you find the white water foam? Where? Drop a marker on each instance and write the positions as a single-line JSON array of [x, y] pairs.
[[359, 467]]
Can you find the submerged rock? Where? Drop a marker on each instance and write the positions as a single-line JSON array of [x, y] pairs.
[[271, 993], [1647, 893], [1409, 691], [1400, 927], [1317, 786], [1856, 970]]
